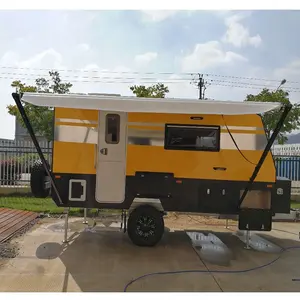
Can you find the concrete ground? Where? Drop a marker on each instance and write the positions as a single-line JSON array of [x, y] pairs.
[[104, 259]]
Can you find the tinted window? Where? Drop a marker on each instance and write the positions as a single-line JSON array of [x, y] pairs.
[[192, 138], [112, 134]]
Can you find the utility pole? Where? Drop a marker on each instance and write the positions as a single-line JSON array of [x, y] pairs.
[[201, 86]]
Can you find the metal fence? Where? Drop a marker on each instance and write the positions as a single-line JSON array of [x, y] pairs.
[[16, 161], [287, 160], [288, 166], [286, 150]]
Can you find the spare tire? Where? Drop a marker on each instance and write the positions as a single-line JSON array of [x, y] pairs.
[[38, 179]]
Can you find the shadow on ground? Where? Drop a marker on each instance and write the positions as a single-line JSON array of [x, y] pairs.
[[107, 261]]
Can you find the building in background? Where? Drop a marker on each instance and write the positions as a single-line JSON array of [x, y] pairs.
[[6, 143], [21, 134], [21, 141]]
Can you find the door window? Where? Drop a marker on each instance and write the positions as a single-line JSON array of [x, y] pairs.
[[112, 132]]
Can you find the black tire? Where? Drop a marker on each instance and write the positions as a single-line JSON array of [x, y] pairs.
[[145, 235], [37, 180]]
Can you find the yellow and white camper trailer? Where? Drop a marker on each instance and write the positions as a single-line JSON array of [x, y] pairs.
[[150, 156]]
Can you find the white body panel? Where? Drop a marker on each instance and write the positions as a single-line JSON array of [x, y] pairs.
[[111, 158]]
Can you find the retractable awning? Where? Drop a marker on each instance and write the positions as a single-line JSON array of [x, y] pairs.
[[149, 105]]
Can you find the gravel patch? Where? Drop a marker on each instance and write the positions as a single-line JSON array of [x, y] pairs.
[[10, 248]]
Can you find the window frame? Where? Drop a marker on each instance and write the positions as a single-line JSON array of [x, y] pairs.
[[170, 125], [106, 128]]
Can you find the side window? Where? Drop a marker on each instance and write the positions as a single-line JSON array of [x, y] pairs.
[[197, 138], [112, 132]]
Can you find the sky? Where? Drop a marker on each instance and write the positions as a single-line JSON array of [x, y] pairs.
[[108, 51]]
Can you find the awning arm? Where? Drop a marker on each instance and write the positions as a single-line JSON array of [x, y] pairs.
[[286, 110], [17, 97]]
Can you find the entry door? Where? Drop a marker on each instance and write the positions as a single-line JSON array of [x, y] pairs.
[[111, 157]]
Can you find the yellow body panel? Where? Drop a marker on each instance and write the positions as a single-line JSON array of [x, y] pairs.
[[79, 158], [245, 120], [73, 158], [79, 114]]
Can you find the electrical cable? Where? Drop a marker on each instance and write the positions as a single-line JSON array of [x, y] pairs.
[[247, 78], [212, 271], [138, 72], [152, 79], [95, 77], [141, 80], [289, 89], [137, 80], [247, 84], [145, 73], [237, 147]]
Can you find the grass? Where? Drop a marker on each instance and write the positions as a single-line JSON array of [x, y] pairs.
[[48, 206], [36, 204], [295, 204], [40, 205]]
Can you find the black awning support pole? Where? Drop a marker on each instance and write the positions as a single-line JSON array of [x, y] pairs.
[[17, 97], [286, 110]]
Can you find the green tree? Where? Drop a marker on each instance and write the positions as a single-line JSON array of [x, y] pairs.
[[41, 118], [158, 90], [270, 119]]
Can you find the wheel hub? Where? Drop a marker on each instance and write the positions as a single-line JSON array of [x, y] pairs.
[[145, 226]]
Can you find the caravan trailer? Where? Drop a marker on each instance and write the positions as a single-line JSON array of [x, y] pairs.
[[149, 156]]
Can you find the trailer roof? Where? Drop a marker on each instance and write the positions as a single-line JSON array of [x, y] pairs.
[[152, 105]]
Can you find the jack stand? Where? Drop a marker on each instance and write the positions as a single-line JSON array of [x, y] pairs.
[[226, 226], [123, 221], [65, 240], [247, 240], [95, 216], [85, 216]]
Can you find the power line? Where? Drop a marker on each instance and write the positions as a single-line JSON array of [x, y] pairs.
[[102, 81], [294, 90], [201, 84], [145, 73], [92, 77], [100, 71], [252, 84], [249, 78], [236, 85]]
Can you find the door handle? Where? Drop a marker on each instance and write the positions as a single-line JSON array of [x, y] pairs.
[[104, 151], [219, 168]]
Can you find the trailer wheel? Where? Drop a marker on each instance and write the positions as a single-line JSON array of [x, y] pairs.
[[145, 226], [38, 180]]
